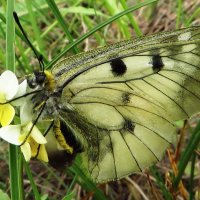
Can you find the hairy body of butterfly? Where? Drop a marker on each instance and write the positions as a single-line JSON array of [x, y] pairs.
[[117, 105]]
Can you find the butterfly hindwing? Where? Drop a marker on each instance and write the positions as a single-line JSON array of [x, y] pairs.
[[108, 149], [121, 101]]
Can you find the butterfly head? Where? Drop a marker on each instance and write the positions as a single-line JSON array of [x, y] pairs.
[[41, 79]]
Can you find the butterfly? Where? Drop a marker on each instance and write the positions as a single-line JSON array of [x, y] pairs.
[[116, 106]]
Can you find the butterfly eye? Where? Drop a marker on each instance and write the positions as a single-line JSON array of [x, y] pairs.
[[40, 77]]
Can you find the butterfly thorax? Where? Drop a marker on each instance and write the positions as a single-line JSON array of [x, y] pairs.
[[47, 96], [46, 106]]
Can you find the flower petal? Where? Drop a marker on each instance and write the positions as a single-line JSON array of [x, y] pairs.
[[35, 133], [11, 134], [8, 84], [21, 91], [26, 150], [26, 114], [42, 155], [22, 88], [37, 136], [34, 147], [7, 113]]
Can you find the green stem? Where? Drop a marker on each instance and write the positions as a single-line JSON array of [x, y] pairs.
[[15, 176], [187, 154], [61, 21], [13, 165], [191, 183], [30, 177], [10, 37], [131, 19], [178, 13], [20, 177]]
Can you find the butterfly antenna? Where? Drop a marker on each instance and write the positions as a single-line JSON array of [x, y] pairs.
[[38, 56]]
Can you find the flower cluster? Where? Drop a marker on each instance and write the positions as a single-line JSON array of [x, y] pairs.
[[26, 135]]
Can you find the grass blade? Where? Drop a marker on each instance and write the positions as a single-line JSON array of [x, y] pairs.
[[103, 24]]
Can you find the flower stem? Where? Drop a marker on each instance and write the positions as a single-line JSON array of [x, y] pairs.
[[14, 175], [16, 186]]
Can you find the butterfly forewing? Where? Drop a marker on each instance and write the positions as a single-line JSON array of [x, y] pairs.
[[121, 101]]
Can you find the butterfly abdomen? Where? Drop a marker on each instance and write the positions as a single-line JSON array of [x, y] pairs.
[[64, 153], [66, 138], [60, 137]]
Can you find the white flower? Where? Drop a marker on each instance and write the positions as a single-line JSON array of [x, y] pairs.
[[9, 89], [29, 137], [25, 135], [26, 111], [33, 144]]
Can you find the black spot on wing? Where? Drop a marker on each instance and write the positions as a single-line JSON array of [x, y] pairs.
[[118, 67], [125, 98], [157, 63], [129, 126]]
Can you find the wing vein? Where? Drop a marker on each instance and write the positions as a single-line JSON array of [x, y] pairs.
[[182, 61], [111, 146], [167, 97], [145, 126], [180, 85], [144, 145], [130, 151], [85, 89], [180, 73]]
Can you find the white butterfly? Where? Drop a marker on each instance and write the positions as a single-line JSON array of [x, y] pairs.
[[117, 105]]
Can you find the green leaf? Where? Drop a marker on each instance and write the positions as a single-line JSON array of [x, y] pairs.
[[4, 196], [69, 196]]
